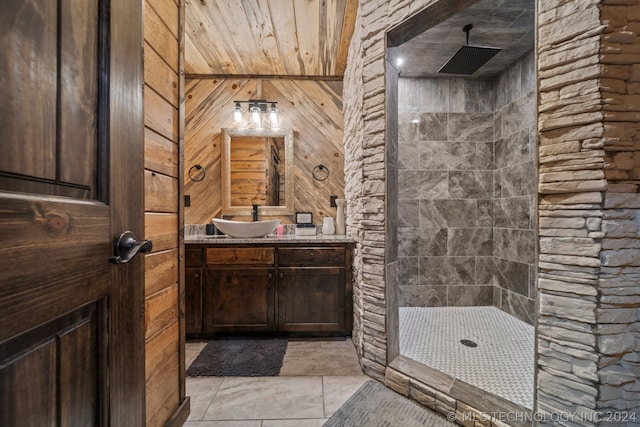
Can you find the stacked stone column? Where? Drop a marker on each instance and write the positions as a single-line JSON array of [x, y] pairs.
[[588, 327]]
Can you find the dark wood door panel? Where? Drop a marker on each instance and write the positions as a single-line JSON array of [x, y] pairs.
[[50, 83], [54, 374], [27, 388], [28, 87]]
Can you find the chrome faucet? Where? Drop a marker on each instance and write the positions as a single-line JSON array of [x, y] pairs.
[[254, 212]]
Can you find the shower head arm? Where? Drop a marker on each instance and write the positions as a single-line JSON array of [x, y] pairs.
[[467, 29]]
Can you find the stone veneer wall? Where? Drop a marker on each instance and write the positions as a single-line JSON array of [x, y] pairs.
[[588, 356], [589, 267]]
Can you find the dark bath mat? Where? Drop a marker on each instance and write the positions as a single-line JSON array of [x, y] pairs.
[[375, 405], [239, 358]]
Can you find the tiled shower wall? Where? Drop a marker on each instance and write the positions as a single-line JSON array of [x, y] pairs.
[[514, 203], [466, 191]]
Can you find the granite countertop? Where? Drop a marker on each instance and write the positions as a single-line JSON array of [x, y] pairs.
[[272, 238]]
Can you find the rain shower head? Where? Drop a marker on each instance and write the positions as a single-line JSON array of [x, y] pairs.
[[468, 59]]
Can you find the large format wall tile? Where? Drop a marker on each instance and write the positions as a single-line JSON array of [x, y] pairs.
[[465, 296], [484, 270], [448, 213], [518, 306], [513, 149], [434, 95], [471, 184], [422, 241], [513, 212], [485, 159], [471, 96], [470, 127], [433, 126], [519, 245], [408, 126], [470, 242], [409, 94], [408, 213], [422, 184], [447, 270], [517, 115], [409, 270], [518, 180], [422, 296], [512, 275], [484, 217], [408, 155], [446, 155]]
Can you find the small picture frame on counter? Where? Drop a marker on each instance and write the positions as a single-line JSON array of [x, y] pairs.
[[304, 218]]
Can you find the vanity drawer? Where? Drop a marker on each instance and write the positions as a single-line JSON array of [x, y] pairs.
[[193, 257], [311, 256], [252, 256]]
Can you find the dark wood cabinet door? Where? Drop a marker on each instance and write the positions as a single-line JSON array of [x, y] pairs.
[[239, 300], [193, 300], [311, 299], [71, 180]]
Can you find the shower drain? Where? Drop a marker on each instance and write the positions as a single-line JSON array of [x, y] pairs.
[[468, 343]]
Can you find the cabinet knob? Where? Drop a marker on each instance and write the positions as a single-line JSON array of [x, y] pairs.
[[270, 275], [282, 275], [196, 276]]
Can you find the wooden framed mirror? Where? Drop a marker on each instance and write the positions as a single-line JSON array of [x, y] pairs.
[[257, 168]]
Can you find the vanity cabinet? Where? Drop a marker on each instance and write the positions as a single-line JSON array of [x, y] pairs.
[[271, 288]]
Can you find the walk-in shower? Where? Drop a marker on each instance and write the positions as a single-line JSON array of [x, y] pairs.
[[466, 203]]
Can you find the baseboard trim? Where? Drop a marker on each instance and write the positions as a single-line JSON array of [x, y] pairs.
[[181, 414]]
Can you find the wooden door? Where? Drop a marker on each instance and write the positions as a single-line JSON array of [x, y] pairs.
[[71, 164]]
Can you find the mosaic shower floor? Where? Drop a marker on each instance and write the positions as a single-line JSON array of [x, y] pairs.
[[501, 363]]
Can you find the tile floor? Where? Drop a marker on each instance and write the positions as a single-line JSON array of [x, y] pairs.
[[502, 363], [316, 378]]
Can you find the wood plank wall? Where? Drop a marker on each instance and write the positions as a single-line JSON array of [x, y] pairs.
[[164, 361], [313, 109], [249, 171]]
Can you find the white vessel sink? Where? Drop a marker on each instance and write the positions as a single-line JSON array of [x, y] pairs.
[[244, 229]]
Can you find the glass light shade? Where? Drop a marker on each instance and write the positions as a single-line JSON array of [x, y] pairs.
[[237, 113], [255, 115], [273, 114]]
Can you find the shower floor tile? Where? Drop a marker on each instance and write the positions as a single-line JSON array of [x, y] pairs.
[[502, 363]]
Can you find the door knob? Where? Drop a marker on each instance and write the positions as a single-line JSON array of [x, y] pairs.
[[127, 247]]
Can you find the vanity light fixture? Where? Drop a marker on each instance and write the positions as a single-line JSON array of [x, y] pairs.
[[256, 108]]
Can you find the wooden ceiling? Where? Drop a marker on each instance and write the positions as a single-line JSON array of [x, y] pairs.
[[268, 38]]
